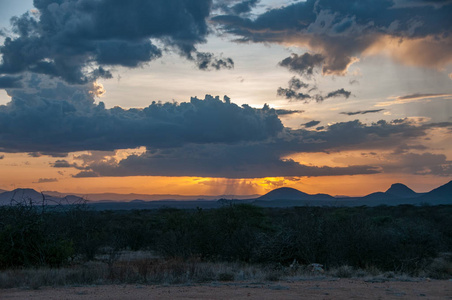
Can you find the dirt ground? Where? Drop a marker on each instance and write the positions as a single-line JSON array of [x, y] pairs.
[[325, 289]]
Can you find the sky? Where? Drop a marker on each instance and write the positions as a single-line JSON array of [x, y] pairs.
[[225, 97]]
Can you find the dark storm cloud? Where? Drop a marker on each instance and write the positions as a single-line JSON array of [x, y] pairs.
[[338, 93], [266, 158], [9, 82], [244, 7], [34, 154], [231, 161], [340, 31], [51, 154], [64, 118], [302, 64], [234, 7], [311, 124], [73, 39], [292, 95], [361, 112]]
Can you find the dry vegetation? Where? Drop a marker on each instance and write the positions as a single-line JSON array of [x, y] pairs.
[[178, 271], [77, 246]]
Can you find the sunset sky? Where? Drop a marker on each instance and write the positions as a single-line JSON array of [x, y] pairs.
[[214, 97]]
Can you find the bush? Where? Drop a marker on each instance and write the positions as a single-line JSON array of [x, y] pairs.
[[27, 240]]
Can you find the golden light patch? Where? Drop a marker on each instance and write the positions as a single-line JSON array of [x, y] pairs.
[[97, 89], [430, 51]]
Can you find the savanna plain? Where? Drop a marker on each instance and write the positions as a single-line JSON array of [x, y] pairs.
[[236, 251]]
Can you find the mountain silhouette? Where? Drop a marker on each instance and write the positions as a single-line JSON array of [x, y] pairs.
[[286, 193], [380, 196], [20, 196], [401, 190], [397, 194], [443, 192], [30, 196]]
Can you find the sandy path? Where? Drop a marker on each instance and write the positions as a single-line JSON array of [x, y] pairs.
[[337, 289]]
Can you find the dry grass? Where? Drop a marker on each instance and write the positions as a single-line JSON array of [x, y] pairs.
[[144, 268]]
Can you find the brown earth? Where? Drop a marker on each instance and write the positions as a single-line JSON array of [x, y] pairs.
[[324, 289]]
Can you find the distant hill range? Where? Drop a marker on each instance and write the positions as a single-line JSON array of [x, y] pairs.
[[397, 194], [30, 196], [145, 197]]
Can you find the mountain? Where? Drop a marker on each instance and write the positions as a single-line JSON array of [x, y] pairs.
[[380, 196], [440, 195], [286, 193], [146, 197], [401, 190], [20, 196], [30, 196], [397, 194]]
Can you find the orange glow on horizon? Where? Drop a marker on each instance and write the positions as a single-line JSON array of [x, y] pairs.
[[22, 171]]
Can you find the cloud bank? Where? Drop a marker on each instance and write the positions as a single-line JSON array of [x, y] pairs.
[[78, 40], [202, 137], [54, 117], [339, 32]]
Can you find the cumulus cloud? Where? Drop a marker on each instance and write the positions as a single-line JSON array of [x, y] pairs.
[[342, 31], [202, 137], [63, 118], [75, 39], [361, 112], [303, 64]]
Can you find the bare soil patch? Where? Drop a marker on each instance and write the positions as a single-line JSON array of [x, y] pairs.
[[321, 289]]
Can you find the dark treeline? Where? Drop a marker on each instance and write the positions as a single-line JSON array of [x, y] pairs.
[[402, 238]]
